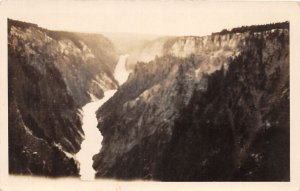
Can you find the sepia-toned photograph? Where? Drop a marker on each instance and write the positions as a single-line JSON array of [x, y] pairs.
[[148, 91]]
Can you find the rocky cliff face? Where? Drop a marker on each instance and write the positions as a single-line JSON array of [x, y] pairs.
[[51, 75], [202, 109], [85, 61]]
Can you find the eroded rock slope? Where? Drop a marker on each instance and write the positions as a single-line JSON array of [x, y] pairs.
[[213, 108], [51, 75]]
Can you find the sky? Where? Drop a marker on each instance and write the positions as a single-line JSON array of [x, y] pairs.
[[144, 17]]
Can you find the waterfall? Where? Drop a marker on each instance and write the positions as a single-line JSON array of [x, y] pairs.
[[121, 73]]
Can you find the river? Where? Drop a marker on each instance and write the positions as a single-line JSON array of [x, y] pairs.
[[91, 144]]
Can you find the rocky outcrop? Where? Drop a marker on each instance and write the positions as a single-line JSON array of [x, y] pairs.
[[213, 108], [50, 76]]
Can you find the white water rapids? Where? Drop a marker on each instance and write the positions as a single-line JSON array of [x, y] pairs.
[[91, 144]]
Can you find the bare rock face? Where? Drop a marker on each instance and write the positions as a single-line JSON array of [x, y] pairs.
[[212, 108], [51, 75]]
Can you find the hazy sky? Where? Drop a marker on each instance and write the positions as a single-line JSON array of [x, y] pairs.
[[154, 17]]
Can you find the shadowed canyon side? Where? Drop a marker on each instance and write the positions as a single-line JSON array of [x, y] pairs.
[[51, 75], [213, 108]]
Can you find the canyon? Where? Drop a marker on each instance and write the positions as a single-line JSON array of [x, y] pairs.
[[192, 108]]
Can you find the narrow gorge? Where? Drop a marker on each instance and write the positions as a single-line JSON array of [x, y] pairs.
[[92, 136]]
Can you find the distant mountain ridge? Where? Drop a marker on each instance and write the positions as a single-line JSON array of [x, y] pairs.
[[256, 28]]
